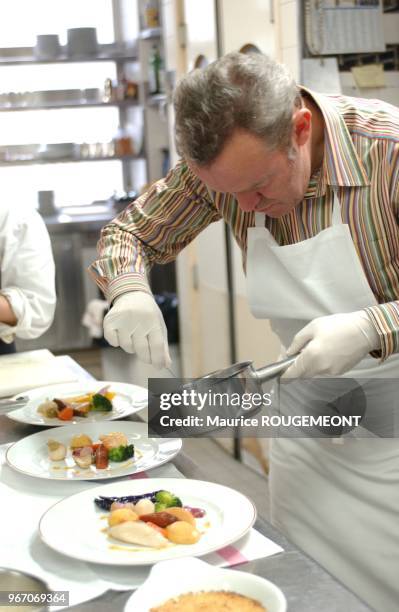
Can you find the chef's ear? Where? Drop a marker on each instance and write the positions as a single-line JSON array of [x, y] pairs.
[[302, 121]]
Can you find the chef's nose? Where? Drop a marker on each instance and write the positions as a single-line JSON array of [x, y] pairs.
[[249, 200]]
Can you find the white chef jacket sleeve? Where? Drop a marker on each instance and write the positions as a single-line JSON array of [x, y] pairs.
[[27, 272]]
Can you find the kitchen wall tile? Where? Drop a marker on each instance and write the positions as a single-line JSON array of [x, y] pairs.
[[290, 57], [289, 24]]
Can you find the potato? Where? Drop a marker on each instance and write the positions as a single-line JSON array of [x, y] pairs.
[[144, 506], [182, 515], [182, 533], [48, 409], [57, 451], [121, 516], [80, 440]]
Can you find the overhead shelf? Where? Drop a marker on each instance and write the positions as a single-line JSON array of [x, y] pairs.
[[106, 53], [63, 160], [69, 104], [157, 99]]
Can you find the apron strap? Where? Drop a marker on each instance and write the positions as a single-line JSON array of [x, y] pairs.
[[259, 219], [336, 209]]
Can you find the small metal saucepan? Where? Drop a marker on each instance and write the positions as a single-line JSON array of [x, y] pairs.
[[245, 370], [6, 405], [227, 393], [240, 378], [13, 580]]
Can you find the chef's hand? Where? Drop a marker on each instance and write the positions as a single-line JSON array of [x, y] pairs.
[[332, 345], [135, 323]]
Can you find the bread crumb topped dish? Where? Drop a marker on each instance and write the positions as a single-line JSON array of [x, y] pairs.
[[212, 601], [192, 585]]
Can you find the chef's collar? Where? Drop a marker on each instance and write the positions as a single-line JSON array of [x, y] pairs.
[[341, 164]]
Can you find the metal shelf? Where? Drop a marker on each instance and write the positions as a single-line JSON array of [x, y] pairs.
[[148, 33], [63, 160], [156, 99], [25, 55], [72, 104]]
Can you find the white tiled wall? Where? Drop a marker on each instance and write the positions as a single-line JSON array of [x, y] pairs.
[[247, 22], [288, 34], [290, 56], [289, 23]]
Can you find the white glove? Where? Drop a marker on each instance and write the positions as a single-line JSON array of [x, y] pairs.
[[135, 323], [332, 345]]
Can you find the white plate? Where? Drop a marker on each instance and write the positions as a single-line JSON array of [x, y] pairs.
[[195, 575], [74, 526], [128, 400], [30, 455]]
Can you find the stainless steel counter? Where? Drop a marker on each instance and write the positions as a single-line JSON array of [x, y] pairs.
[[306, 585], [69, 224]]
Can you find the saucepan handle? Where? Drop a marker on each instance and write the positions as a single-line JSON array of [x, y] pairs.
[[274, 370], [6, 405]]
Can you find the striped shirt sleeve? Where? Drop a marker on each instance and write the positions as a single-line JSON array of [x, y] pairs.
[[386, 316], [152, 229]]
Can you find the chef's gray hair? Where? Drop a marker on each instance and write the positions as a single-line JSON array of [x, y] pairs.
[[251, 92]]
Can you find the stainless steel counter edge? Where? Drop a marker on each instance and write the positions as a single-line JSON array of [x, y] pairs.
[[67, 224]]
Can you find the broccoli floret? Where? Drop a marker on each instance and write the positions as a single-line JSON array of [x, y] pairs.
[[166, 499], [121, 453], [100, 403]]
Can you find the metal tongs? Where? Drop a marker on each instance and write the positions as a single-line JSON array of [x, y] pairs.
[[8, 404]]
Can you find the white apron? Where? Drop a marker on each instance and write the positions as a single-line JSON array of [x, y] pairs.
[[339, 503]]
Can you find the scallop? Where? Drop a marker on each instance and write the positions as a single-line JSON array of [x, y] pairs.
[[119, 505], [144, 506], [56, 450]]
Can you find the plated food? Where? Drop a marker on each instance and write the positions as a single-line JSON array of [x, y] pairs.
[[65, 408], [155, 519], [82, 402], [203, 587], [210, 517], [91, 451], [111, 447]]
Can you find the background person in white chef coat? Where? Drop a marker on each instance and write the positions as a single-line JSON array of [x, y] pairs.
[[309, 185], [27, 276]]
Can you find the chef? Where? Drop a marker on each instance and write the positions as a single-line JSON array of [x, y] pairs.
[[27, 276], [309, 186]]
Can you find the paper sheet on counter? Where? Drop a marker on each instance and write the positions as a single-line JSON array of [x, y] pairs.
[[31, 369]]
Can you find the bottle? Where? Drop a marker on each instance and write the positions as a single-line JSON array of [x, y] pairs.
[[123, 143], [131, 90], [120, 88], [108, 91], [151, 14], [127, 89], [155, 71]]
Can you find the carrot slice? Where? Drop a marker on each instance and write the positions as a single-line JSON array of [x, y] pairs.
[[65, 414]]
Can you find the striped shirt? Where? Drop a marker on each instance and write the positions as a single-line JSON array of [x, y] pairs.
[[361, 162]]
